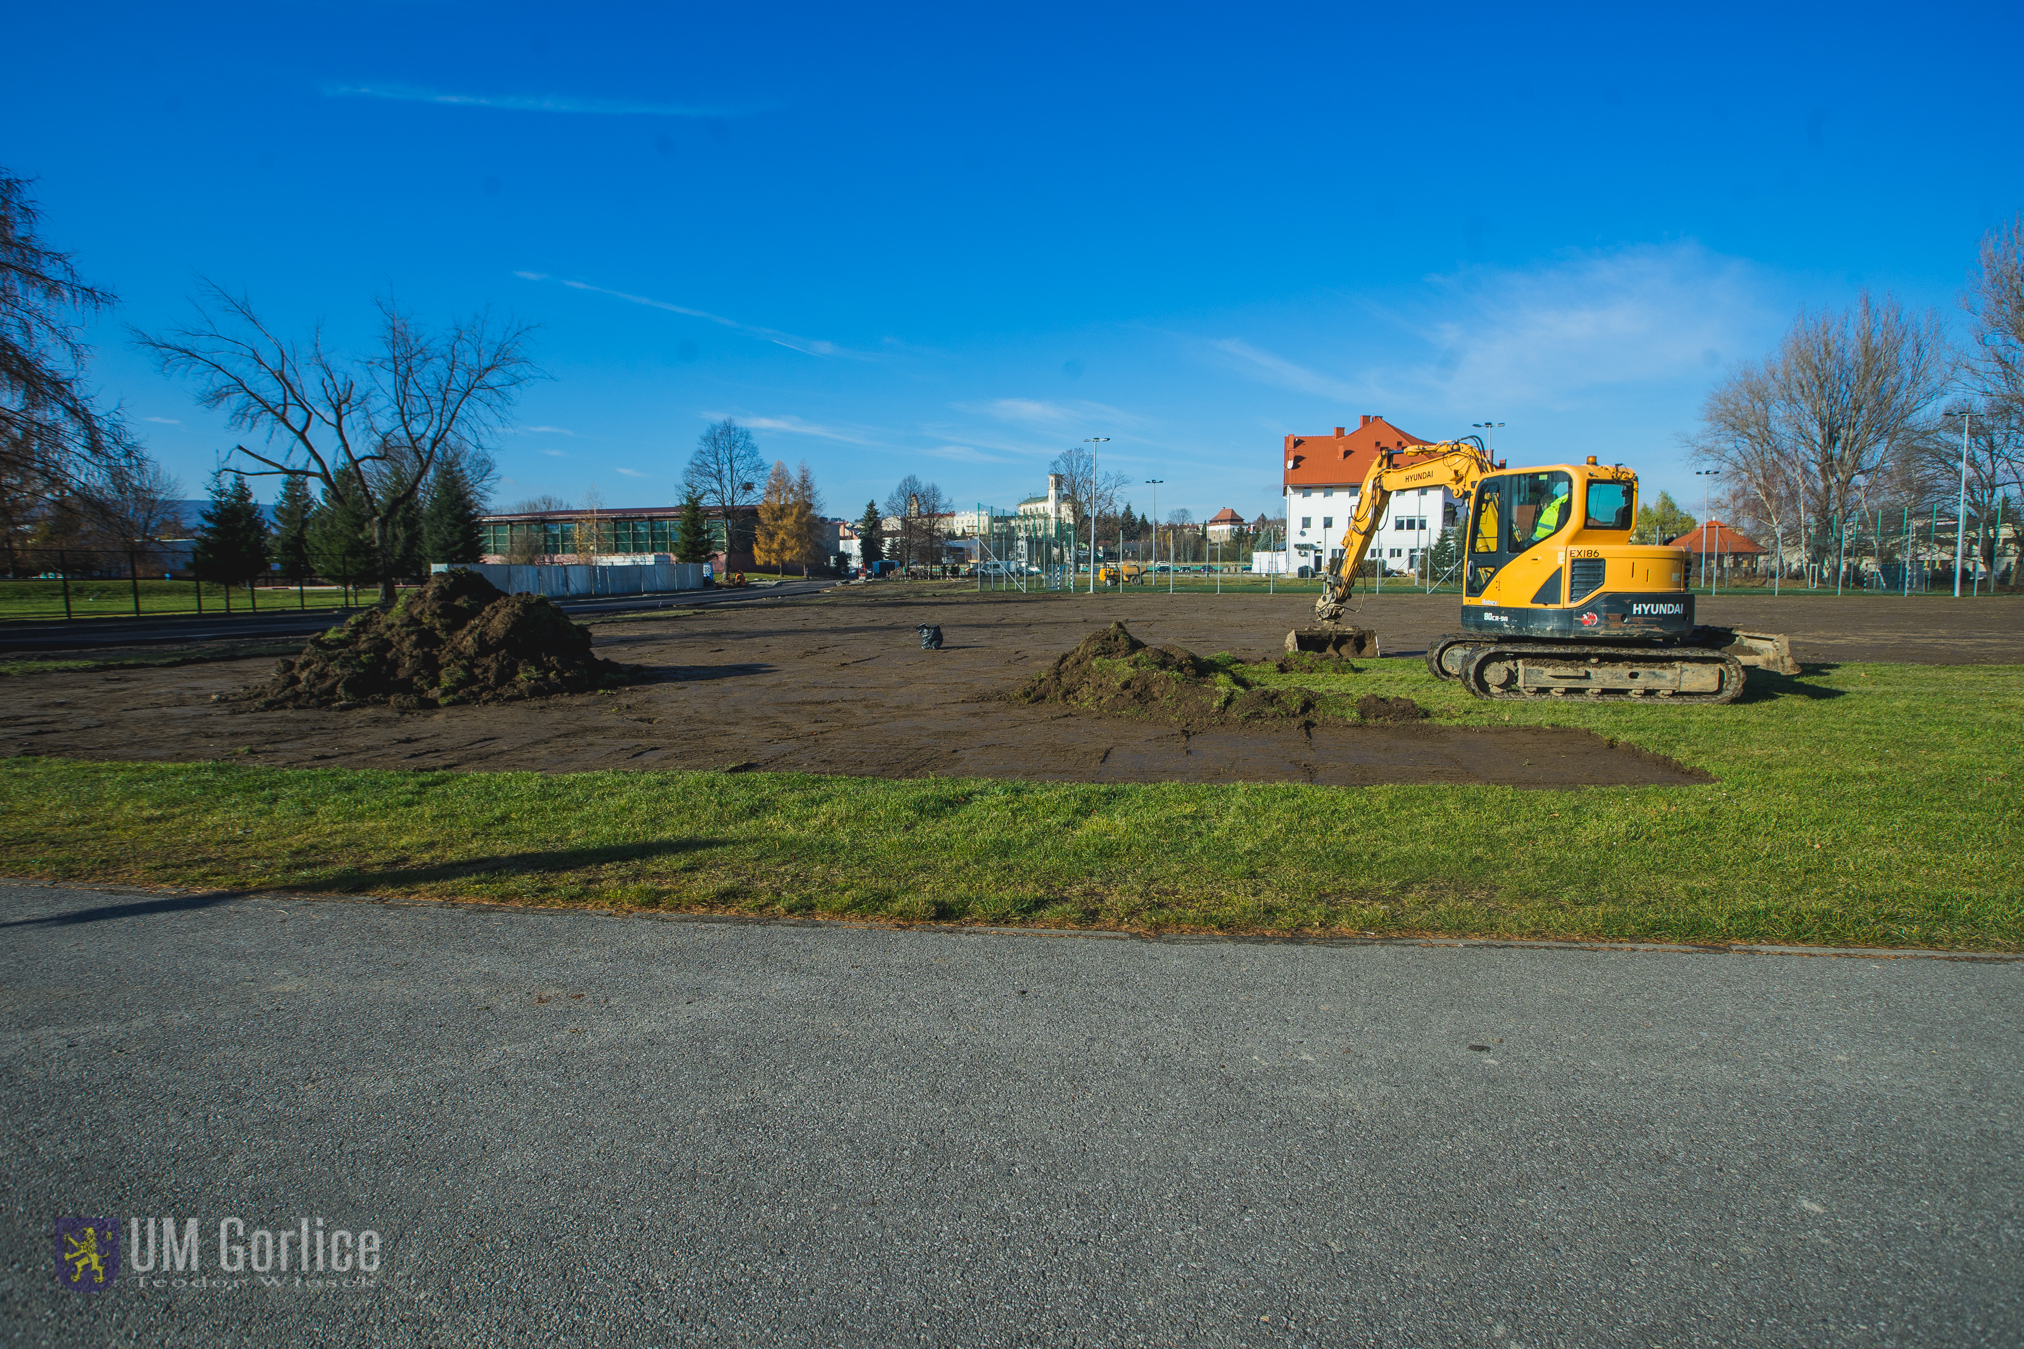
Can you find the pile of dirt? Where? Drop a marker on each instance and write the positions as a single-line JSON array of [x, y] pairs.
[[1377, 707], [460, 639], [1113, 671]]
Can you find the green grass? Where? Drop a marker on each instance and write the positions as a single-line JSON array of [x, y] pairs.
[[39, 599], [1859, 804]]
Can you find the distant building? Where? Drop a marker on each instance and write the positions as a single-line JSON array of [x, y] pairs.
[[646, 532], [1711, 540], [1323, 478], [1224, 525], [1053, 506]]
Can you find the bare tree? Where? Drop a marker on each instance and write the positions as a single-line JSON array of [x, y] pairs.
[[1094, 491], [546, 501], [1995, 305], [54, 439], [726, 471], [369, 430], [915, 508], [1841, 407]]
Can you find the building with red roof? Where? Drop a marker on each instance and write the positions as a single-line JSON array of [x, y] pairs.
[[1715, 539], [1323, 476], [1224, 524]]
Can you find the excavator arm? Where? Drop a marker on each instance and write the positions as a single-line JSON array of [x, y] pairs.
[[1456, 465]]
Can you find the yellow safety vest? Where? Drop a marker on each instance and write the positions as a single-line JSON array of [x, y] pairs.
[[1549, 519]]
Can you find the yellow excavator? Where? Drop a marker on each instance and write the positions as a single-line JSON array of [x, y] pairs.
[[1556, 600]]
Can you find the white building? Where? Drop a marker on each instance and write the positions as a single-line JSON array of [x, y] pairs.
[[1323, 478]]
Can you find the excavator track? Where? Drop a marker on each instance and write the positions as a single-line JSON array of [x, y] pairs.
[[1543, 671]]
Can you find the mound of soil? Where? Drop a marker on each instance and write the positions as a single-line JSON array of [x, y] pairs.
[[1376, 707], [460, 639], [1113, 671]]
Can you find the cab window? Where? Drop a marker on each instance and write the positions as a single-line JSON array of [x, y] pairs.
[[1489, 508], [1541, 505], [1609, 505]]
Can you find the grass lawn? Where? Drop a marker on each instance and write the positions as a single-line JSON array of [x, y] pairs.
[[1858, 804], [42, 599]]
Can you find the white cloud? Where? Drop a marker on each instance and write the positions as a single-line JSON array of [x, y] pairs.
[[1036, 412], [794, 426], [163, 421], [1278, 370], [403, 93], [544, 430], [965, 454], [812, 346], [631, 473], [1542, 335], [555, 454]]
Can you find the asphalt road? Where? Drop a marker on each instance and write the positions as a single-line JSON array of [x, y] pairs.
[[571, 1128], [40, 635]]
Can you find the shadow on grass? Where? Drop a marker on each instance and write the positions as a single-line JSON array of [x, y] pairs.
[[145, 908], [1762, 686], [508, 864]]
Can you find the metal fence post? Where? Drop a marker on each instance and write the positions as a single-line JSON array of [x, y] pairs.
[[134, 571], [63, 572]]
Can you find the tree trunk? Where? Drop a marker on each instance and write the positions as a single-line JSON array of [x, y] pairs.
[[382, 563]]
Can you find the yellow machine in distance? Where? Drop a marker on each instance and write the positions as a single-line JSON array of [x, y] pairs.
[[1555, 597]]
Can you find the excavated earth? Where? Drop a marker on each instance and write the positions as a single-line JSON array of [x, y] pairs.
[[459, 639], [836, 684]]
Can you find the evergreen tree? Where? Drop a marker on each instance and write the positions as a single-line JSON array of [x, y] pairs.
[[232, 541], [340, 542], [870, 536], [692, 535], [1446, 550], [292, 510], [450, 529], [1661, 523], [404, 541]]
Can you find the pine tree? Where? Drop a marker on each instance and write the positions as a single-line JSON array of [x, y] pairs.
[[232, 541], [292, 510], [404, 541], [692, 535], [870, 537], [450, 529], [340, 543]]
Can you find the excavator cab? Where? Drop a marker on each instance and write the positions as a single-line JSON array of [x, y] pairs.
[[1550, 556]]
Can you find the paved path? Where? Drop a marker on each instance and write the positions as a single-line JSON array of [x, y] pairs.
[[581, 1129]]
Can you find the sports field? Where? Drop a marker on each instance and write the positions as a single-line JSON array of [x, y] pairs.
[[806, 758]]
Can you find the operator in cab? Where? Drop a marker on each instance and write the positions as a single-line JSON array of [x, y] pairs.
[[1554, 514]]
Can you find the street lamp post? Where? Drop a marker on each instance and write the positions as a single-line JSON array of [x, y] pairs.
[[1093, 442], [1706, 475], [1489, 430], [1967, 416], [1155, 485]]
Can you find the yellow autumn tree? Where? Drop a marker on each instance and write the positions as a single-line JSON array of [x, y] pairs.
[[783, 522]]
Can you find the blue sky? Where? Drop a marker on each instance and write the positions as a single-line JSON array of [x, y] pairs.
[[955, 240]]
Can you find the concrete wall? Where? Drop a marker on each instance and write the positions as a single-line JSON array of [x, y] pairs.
[[576, 581]]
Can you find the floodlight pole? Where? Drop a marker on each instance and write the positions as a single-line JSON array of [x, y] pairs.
[[1155, 484], [1967, 415], [1704, 474], [1489, 430]]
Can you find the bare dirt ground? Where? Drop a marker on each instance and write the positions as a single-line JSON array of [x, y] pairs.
[[838, 684]]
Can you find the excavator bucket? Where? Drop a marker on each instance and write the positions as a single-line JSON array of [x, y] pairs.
[[1765, 650], [1334, 641]]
